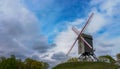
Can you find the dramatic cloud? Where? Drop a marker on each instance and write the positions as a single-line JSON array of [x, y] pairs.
[[59, 56], [20, 32], [107, 32]]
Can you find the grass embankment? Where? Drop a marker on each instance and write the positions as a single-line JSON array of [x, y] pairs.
[[86, 65]]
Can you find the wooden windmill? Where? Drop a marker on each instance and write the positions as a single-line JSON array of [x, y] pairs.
[[85, 43]]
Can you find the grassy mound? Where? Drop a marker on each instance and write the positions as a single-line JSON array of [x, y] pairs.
[[86, 65]]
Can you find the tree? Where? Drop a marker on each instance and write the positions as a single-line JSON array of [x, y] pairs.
[[13, 63], [108, 57], [34, 64], [2, 62], [45, 65], [118, 56]]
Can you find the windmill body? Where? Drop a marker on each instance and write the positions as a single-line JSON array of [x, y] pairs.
[[82, 47], [85, 44]]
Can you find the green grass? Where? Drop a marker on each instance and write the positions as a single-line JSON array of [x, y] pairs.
[[86, 65]]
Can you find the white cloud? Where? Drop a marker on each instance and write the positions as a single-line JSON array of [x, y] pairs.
[[107, 9], [77, 22], [97, 22], [109, 5], [15, 20], [64, 40], [107, 46], [20, 33]]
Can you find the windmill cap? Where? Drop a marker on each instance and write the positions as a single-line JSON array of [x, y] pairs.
[[87, 36]]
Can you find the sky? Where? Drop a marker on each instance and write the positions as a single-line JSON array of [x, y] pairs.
[[41, 29]]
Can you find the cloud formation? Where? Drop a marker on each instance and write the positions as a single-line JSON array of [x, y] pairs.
[[20, 31]]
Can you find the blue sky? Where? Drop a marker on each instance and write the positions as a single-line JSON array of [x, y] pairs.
[[53, 14], [42, 28]]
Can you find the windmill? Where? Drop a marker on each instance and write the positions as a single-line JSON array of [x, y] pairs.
[[85, 43]]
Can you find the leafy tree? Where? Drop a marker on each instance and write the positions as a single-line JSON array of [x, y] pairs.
[[2, 62], [33, 64], [118, 56], [108, 57], [45, 65], [13, 63]]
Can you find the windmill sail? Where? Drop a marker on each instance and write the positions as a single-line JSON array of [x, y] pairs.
[[79, 35], [85, 43]]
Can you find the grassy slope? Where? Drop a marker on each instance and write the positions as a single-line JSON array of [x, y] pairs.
[[86, 65]]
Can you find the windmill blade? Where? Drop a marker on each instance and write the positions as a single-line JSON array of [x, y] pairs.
[[75, 30], [88, 21], [80, 32], [81, 38], [72, 46]]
